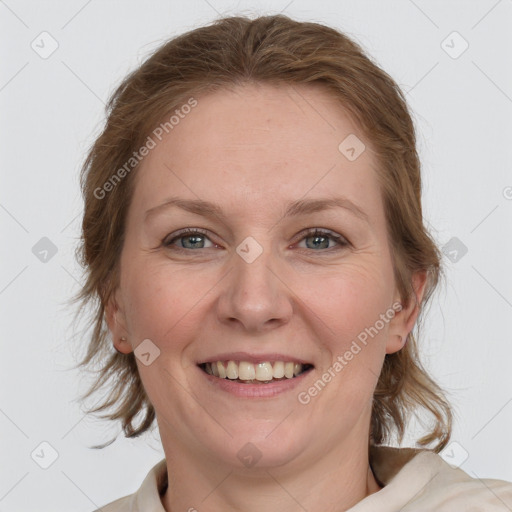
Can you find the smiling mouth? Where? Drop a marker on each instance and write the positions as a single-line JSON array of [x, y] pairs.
[[259, 373]]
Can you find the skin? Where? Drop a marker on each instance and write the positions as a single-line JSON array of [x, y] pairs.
[[252, 150]]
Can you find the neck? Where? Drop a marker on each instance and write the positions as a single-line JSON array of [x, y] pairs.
[[333, 482]]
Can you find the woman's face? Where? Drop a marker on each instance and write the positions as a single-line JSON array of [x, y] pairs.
[[256, 285]]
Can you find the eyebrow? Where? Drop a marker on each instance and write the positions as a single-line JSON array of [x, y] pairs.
[[295, 208]]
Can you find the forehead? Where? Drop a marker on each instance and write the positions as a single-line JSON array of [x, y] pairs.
[[264, 142]]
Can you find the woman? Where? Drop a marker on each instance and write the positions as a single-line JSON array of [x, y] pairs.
[[253, 232]]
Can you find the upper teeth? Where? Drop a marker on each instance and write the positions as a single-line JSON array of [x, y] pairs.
[[244, 370]]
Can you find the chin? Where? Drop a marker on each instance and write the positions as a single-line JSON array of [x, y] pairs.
[[263, 445]]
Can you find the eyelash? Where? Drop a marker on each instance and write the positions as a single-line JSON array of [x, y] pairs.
[[340, 240]]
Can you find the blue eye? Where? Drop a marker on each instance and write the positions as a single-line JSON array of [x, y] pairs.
[[322, 237], [194, 235], [195, 239]]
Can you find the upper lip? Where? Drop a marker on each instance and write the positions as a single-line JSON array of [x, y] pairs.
[[254, 358]]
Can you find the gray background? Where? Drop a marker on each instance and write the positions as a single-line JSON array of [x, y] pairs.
[[51, 109]]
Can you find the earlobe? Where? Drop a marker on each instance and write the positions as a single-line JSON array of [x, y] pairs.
[[395, 343], [122, 345]]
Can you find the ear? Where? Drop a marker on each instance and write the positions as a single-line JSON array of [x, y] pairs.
[[115, 318], [403, 321]]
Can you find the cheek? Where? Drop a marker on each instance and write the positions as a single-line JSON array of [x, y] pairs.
[[161, 303], [351, 298]]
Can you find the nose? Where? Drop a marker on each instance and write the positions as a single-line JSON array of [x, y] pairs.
[[255, 296]]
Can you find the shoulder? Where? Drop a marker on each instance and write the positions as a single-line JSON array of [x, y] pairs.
[[147, 497], [420, 480], [452, 487]]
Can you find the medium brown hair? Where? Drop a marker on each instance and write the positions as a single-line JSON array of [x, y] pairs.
[[268, 50]]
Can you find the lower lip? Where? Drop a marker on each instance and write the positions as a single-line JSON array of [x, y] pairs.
[[255, 390]]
